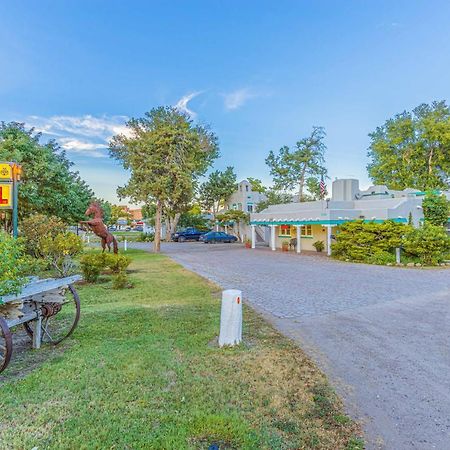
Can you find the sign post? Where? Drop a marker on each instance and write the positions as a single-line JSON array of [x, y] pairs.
[[10, 174]]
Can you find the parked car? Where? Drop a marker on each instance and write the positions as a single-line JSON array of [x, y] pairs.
[[217, 236], [188, 234], [139, 228]]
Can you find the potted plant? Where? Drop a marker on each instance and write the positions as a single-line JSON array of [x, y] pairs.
[[285, 246], [248, 243], [319, 246]]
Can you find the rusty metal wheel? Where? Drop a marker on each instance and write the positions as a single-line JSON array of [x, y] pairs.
[[59, 320], [5, 344]]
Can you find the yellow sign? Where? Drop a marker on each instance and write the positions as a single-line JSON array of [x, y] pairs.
[[6, 200], [6, 172]]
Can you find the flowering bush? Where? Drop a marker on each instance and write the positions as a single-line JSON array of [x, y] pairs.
[[60, 251], [38, 228]]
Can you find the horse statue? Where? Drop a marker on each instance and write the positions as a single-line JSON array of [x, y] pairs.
[[98, 227]]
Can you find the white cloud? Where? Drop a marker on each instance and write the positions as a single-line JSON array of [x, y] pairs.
[[86, 134], [78, 146], [87, 125], [182, 104], [236, 99]]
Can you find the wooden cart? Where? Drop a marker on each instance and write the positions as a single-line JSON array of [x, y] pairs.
[[48, 310]]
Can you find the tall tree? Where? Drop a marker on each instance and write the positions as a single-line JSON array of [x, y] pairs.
[[119, 212], [413, 149], [436, 209], [165, 153], [273, 197], [48, 186], [217, 189], [298, 167]]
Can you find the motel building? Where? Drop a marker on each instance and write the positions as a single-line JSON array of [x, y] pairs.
[[302, 224]]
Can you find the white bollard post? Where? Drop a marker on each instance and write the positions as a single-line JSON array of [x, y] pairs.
[[397, 255], [231, 318], [88, 239], [125, 245]]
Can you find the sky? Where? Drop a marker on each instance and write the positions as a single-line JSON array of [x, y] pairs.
[[260, 73]]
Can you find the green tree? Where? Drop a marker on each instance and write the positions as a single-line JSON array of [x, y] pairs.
[[436, 208], [216, 190], [48, 185], [297, 168], [234, 217], [273, 197], [256, 185], [193, 218], [430, 243], [165, 153], [118, 212], [412, 149]]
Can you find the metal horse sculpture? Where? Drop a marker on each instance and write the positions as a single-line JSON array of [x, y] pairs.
[[98, 227]]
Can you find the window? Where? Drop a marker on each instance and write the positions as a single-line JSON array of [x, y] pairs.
[[285, 230], [249, 207], [234, 206], [246, 187], [240, 206], [306, 230]]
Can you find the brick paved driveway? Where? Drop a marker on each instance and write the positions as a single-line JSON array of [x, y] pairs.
[[382, 334]]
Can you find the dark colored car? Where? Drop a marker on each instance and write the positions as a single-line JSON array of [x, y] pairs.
[[217, 236], [188, 234], [139, 228]]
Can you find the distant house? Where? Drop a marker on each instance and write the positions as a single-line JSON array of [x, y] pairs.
[[309, 222], [244, 198]]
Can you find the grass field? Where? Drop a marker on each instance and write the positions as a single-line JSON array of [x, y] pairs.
[[143, 371]]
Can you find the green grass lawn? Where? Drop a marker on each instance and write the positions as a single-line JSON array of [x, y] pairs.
[[143, 371]]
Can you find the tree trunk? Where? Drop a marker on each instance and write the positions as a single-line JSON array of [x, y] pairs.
[[174, 224], [157, 240], [167, 221]]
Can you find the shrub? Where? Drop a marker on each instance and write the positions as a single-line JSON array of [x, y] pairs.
[[60, 250], [382, 258], [91, 266], [13, 264], [319, 246], [120, 281], [429, 243], [146, 237], [360, 241], [436, 208], [38, 228], [117, 263]]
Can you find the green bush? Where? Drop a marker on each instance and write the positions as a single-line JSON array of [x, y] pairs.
[[146, 237], [120, 281], [429, 243], [60, 251], [319, 246], [38, 228], [93, 264], [13, 264], [436, 208], [364, 241], [381, 258], [118, 263]]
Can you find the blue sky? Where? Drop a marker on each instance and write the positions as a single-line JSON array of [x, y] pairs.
[[260, 73]]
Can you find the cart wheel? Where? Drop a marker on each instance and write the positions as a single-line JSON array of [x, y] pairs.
[[5, 344], [59, 320]]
